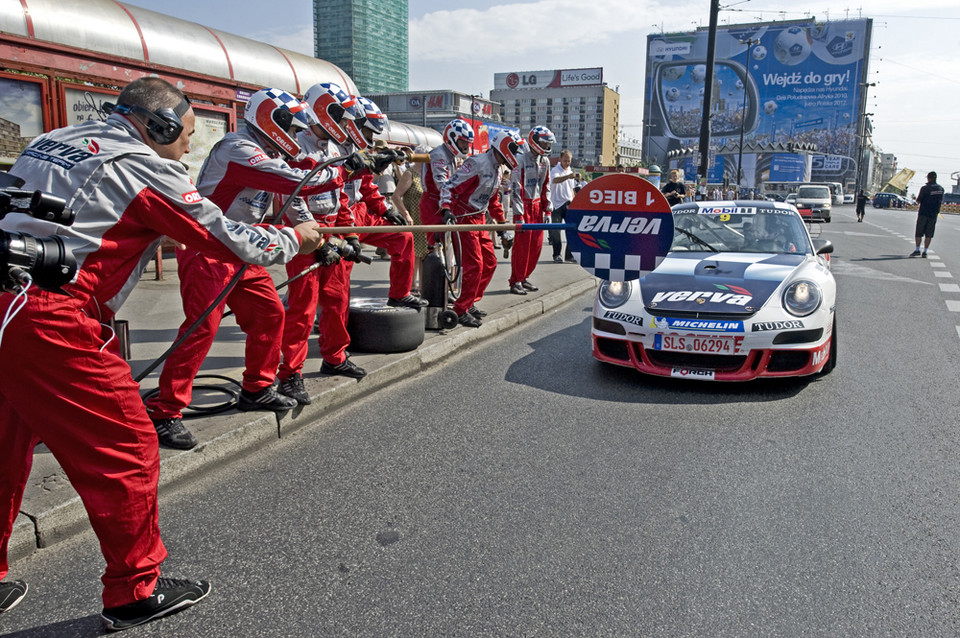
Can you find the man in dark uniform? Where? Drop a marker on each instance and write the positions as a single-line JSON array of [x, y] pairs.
[[674, 189], [929, 199], [861, 205]]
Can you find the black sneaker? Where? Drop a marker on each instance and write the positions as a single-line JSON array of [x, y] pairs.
[[407, 302], [915, 253], [476, 312], [528, 286], [347, 369], [570, 260], [11, 593], [468, 320], [173, 433], [517, 289], [293, 388], [557, 259], [169, 596], [924, 254], [266, 399]]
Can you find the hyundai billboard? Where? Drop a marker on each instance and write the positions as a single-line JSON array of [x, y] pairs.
[[779, 83]]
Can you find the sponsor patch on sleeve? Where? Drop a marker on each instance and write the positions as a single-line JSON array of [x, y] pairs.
[[256, 159], [192, 197]]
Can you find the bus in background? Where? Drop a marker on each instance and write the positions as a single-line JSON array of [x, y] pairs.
[[836, 190]]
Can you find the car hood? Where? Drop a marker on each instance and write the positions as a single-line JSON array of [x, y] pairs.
[[725, 283]]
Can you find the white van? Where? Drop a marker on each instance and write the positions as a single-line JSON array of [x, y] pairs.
[[817, 198]]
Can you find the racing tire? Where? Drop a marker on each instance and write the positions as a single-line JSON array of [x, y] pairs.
[[832, 359], [376, 327]]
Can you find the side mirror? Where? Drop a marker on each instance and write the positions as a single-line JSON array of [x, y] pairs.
[[823, 246]]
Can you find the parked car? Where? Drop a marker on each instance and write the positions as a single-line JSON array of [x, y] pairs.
[[890, 200], [849, 198], [743, 293], [791, 198]]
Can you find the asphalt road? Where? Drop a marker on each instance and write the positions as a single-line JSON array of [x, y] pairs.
[[526, 490]]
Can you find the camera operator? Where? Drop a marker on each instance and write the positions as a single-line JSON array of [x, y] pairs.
[[62, 384]]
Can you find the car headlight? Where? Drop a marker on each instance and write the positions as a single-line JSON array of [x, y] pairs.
[[802, 298], [614, 294]]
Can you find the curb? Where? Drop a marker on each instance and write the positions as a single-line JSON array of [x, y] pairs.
[[237, 435]]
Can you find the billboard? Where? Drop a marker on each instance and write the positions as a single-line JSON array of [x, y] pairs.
[[547, 79], [778, 83]]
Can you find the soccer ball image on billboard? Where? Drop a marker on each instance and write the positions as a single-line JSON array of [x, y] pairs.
[[673, 73], [759, 52], [792, 46], [699, 73], [769, 107], [672, 94]]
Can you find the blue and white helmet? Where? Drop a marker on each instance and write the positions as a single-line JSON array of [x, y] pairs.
[[328, 105], [458, 130], [277, 116], [541, 140], [507, 143], [373, 117]]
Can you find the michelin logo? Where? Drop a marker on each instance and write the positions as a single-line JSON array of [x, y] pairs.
[[700, 325]]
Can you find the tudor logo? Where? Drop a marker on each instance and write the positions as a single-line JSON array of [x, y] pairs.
[[764, 326], [192, 198]]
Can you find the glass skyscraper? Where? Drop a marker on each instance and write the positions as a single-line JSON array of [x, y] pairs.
[[367, 39]]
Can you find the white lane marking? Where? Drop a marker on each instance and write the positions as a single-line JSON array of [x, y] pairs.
[[941, 273], [949, 287], [937, 264], [953, 305]]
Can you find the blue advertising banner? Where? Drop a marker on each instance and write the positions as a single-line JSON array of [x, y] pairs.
[[776, 83]]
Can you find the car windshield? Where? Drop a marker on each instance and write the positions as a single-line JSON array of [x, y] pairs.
[[743, 229], [813, 192]]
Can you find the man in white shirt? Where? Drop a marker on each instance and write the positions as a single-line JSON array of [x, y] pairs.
[[562, 181]]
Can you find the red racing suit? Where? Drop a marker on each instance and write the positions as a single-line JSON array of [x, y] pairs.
[[369, 207], [530, 202], [61, 383], [239, 177], [327, 287], [443, 164], [472, 191]]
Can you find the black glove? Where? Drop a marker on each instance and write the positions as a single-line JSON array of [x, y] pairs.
[[352, 251], [358, 161], [328, 254], [506, 239], [395, 218], [384, 158], [448, 217]]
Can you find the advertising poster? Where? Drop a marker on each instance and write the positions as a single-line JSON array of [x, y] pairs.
[[798, 82], [210, 127], [21, 116]]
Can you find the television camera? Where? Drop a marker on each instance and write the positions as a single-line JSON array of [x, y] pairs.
[[46, 261]]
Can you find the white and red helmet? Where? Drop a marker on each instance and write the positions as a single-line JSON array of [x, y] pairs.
[[328, 105], [541, 140], [277, 115], [457, 130], [508, 144], [373, 117]]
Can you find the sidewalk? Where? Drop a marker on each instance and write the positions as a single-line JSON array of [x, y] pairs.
[[52, 511]]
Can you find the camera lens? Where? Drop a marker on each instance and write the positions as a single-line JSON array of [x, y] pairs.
[[49, 260]]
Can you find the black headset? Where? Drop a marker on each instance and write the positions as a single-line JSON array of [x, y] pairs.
[[164, 126]]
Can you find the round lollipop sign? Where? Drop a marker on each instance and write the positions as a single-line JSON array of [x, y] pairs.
[[619, 227]]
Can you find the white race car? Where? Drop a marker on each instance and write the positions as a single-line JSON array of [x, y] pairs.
[[743, 293]]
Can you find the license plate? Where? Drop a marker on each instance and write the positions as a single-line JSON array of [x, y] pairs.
[[701, 344]]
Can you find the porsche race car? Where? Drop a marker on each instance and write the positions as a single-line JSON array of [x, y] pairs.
[[744, 292]]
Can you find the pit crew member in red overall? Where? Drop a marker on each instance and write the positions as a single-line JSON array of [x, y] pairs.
[[530, 202], [472, 191], [370, 209], [329, 286], [242, 172], [64, 381], [444, 161]]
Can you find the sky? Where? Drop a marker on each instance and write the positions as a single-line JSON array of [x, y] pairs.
[[460, 45]]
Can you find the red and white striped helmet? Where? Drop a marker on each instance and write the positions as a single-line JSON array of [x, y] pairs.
[[458, 130], [507, 143], [541, 140], [277, 115], [328, 105]]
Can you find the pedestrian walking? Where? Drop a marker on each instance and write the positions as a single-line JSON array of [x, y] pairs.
[[929, 200]]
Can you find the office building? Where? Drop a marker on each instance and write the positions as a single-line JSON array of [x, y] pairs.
[[574, 103], [366, 38]]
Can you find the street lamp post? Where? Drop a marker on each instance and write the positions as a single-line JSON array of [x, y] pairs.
[[863, 132], [743, 115]]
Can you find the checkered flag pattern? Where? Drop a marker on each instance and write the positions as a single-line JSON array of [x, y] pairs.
[[616, 267], [283, 98]]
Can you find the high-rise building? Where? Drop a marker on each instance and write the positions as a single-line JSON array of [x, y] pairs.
[[575, 104], [367, 39]]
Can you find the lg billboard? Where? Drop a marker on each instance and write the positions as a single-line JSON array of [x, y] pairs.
[[797, 82]]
